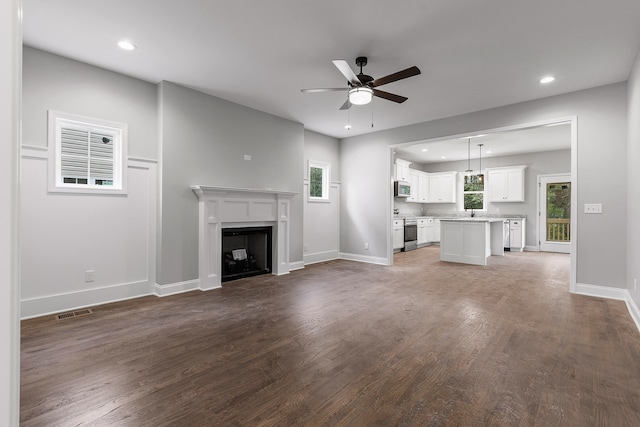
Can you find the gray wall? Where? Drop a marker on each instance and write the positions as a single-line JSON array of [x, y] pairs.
[[541, 163], [602, 174], [203, 141], [324, 148], [51, 82], [633, 183], [322, 220]]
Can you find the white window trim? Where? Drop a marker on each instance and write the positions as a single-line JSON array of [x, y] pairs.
[[55, 185], [485, 202], [326, 180]]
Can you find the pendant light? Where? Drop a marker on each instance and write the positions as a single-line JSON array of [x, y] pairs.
[[469, 170], [480, 174]]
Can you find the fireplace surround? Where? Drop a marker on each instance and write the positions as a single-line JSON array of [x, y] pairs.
[[225, 208]]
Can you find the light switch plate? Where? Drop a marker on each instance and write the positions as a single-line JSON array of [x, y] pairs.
[[88, 276], [593, 208]]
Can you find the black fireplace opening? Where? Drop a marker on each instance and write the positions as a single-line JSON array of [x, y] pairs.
[[245, 252]]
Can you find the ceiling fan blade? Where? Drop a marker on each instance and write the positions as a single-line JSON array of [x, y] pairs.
[[325, 89], [346, 71], [409, 72], [346, 105], [390, 96]]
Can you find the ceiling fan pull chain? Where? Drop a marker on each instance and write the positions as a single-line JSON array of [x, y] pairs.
[[372, 114]]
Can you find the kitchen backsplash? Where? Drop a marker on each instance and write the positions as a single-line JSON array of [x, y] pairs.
[[448, 211], [405, 208]]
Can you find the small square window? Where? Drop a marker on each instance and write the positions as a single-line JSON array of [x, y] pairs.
[[319, 181], [86, 154]]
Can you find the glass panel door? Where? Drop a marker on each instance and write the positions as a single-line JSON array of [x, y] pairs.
[[555, 215], [559, 212]]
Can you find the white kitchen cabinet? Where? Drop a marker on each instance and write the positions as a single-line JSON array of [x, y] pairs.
[[517, 234], [472, 240], [402, 170], [442, 187], [506, 184], [423, 187], [413, 179], [428, 231], [398, 234], [423, 231], [436, 231]]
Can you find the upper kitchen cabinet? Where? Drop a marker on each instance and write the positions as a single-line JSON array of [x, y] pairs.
[[419, 186], [413, 177], [402, 170], [423, 187], [442, 187], [506, 184]]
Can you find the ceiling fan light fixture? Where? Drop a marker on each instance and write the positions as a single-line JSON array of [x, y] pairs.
[[360, 95]]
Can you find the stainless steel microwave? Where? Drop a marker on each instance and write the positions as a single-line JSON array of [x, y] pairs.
[[401, 189]]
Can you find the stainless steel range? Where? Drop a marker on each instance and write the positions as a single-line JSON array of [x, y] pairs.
[[410, 233]]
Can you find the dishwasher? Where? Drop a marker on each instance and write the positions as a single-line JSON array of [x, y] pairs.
[[505, 235]]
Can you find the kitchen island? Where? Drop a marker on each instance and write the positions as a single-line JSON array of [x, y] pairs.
[[471, 240]]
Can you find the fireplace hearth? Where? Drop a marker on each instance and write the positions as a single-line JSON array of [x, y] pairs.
[[246, 252]]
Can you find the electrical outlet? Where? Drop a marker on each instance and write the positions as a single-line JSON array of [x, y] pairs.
[[305, 248], [366, 246], [88, 276], [247, 157], [593, 208]]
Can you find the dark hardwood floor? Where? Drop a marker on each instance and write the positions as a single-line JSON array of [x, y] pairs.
[[422, 343]]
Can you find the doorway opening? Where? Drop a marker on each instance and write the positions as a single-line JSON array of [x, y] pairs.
[[566, 163]]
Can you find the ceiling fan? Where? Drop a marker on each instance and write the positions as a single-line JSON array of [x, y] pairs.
[[362, 88]]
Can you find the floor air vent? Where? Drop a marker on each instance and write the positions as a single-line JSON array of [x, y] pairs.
[[70, 314]]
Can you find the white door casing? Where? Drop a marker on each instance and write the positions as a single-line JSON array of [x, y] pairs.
[[544, 245]]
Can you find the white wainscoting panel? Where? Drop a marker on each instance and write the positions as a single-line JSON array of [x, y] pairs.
[[65, 235]]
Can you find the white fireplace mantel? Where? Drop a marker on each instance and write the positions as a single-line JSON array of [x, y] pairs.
[[221, 207]]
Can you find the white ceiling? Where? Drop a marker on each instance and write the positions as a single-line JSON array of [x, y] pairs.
[[542, 138], [473, 54]]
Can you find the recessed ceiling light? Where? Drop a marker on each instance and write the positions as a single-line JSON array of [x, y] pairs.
[[547, 79], [347, 127], [489, 152], [443, 157], [126, 45], [424, 149]]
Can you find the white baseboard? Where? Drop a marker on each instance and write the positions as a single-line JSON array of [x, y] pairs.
[[612, 293], [531, 249], [364, 258], [633, 311], [176, 288], [297, 265], [51, 304], [320, 257], [602, 291]]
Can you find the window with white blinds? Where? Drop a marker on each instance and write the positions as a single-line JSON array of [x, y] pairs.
[[88, 153]]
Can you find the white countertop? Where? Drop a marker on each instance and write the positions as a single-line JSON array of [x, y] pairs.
[[479, 219]]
